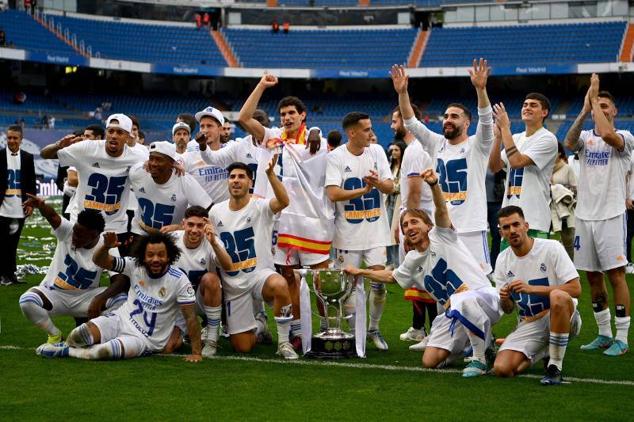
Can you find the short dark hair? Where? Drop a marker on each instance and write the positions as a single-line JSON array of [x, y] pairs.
[[608, 95], [561, 152], [334, 138], [417, 113], [292, 101], [262, 117], [141, 135], [97, 130], [189, 119], [135, 121], [240, 166], [196, 211], [140, 245], [91, 219], [462, 107], [15, 128], [352, 119], [509, 210], [543, 100]]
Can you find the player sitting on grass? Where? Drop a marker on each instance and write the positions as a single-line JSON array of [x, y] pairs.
[[71, 285], [443, 266], [144, 323], [538, 276]]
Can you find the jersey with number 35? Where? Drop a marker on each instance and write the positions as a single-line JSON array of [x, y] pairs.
[[360, 223], [246, 235], [153, 303], [104, 184]]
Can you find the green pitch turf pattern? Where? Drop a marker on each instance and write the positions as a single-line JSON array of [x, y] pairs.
[[385, 385]]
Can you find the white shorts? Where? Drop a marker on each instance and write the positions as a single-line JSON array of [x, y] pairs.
[[600, 245], [75, 303], [371, 257], [531, 338], [478, 245], [289, 257], [239, 308], [112, 327], [479, 308]]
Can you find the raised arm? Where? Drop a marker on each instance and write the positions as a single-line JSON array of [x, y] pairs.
[[515, 157], [495, 156], [245, 117], [441, 214], [50, 151], [281, 200], [572, 137], [47, 211], [102, 257], [221, 254], [479, 74], [603, 125]]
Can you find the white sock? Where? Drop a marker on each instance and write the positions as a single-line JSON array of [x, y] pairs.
[[478, 346], [213, 321], [109, 350], [378, 295], [283, 328], [557, 348], [622, 327], [603, 322], [80, 337], [32, 307]]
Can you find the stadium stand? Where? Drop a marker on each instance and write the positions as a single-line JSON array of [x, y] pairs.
[[145, 42], [322, 49], [525, 44], [24, 32]]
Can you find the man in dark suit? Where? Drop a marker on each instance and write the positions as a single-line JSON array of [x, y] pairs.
[[17, 178]]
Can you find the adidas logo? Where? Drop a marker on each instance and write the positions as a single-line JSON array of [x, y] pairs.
[[173, 198], [203, 261], [96, 165], [347, 170], [510, 274], [220, 224], [249, 155], [142, 190]]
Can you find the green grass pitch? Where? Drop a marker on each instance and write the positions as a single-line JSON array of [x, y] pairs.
[[384, 386]]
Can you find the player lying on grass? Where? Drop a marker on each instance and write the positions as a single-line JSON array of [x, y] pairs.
[[71, 285], [538, 276], [158, 291], [443, 266]]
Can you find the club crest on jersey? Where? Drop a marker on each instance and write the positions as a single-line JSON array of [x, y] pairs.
[[173, 198], [419, 269], [347, 170], [203, 261], [248, 219], [542, 267], [433, 254], [162, 292]]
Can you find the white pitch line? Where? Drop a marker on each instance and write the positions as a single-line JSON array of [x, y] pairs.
[[368, 366]]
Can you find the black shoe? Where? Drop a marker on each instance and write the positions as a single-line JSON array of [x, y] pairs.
[[4, 281], [14, 280], [552, 377]]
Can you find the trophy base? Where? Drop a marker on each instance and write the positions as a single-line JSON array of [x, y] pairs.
[[325, 346]]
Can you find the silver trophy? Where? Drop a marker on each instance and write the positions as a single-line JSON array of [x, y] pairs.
[[332, 288]]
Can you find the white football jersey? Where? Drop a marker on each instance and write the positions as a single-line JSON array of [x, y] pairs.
[[71, 269], [194, 262], [601, 189], [529, 187], [153, 303], [415, 161], [11, 206], [162, 205], [461, 170], [445, 267], [104, 184], [547, 264], [360, 223], [247, 237], [213, 179]]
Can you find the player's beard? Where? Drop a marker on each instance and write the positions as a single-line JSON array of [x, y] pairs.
[[452, 132], [399, 133]]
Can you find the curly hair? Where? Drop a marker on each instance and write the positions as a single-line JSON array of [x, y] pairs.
[[140, 245]]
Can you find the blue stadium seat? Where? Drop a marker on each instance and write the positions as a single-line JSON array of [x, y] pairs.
[[25, 33]]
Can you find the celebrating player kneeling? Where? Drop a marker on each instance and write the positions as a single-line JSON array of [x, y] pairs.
[[443, 266], [144, 323], [538, 276]]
